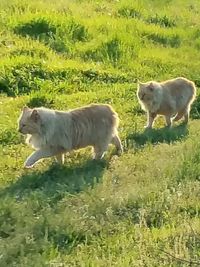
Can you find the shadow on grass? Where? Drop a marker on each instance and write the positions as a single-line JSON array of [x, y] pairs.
[[58, 180], [155, 136], [44, 189]]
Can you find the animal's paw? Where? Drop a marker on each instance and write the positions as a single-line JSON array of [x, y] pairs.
[[29, 163], [147, 127], [27, 167], [120, 152]]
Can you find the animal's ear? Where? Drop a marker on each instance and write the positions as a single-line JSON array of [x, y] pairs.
[[151, 86], [139, 82], [25, 108], [35, 115]]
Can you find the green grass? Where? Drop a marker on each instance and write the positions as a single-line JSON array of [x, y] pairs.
[[139, 209]]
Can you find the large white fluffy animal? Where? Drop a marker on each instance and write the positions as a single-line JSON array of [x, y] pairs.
[[171, 99], [52, 132]]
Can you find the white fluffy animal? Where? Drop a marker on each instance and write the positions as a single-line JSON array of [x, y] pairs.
[[52, 132], [171, 99]]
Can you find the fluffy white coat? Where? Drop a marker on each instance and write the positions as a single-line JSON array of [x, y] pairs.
[[52, 132], [172, 99]]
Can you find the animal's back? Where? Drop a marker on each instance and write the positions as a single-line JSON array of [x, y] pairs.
[[93, 124], [180, 87]]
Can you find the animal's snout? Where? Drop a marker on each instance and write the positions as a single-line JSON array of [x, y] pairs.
[[20, 130]]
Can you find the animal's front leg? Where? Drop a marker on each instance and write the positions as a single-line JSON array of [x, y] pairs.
[[37, 155], [150, 119], [60, 158], [168, 120]]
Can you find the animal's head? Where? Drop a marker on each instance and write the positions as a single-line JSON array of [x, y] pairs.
[[29, 121], [146, 91]]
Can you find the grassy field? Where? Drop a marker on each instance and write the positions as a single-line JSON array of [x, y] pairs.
[[139, 209]]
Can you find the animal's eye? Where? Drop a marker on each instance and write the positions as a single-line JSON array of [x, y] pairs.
[[23, 125]]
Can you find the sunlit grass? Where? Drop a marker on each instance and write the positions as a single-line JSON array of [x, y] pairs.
[[122, 211]]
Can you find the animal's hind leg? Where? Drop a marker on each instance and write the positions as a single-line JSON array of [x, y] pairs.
[[60, 158], [179, 115], [117, 142], [186, 115], [99, 151], [183, 113]]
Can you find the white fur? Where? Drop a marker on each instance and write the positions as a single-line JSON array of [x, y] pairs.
[[52, 133], [169, 98]]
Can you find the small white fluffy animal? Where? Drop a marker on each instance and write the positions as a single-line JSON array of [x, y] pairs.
[[171, 99], [53, 133]]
